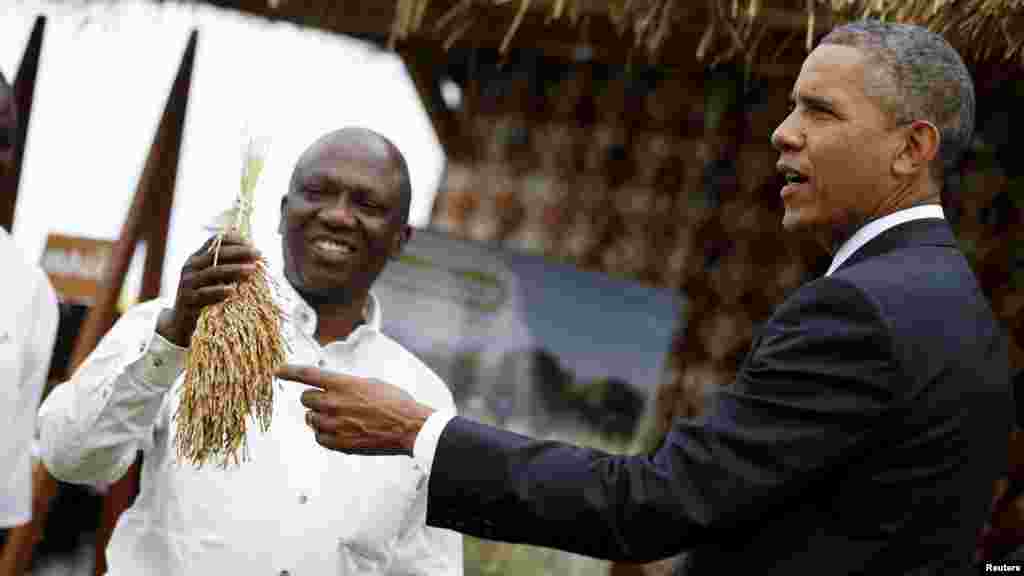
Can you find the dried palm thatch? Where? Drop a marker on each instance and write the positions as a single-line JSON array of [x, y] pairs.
[[235, 350], [981, 29]]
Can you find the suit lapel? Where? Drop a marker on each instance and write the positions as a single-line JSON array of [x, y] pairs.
[[925, 232]]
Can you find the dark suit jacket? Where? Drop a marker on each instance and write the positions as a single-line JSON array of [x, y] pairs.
[[862, 436]]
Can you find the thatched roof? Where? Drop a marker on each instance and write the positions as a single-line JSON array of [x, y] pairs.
[[730, 29], [980, 29]]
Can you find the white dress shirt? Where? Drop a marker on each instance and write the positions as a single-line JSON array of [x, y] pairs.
[[294, 509], [426, 440], [28, 330], [872, 229]]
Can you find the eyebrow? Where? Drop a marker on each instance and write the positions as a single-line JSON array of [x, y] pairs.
[[323, 179], [814, 101]]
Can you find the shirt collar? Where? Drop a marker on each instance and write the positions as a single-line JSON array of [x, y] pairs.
[[872, 229], [304, 316]]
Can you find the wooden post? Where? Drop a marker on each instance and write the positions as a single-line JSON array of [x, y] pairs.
[[24, 89]]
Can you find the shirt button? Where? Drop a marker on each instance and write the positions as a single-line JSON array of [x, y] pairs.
[[284, 573], [303, 498], [158, 362], [321, 363]]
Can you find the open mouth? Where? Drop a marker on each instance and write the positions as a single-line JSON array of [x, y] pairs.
[[333, 249], [793, 177]]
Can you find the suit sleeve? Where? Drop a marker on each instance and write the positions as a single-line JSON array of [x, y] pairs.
[[806, 398]]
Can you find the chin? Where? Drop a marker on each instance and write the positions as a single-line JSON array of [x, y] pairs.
[[791, 222], [797, 220], [317, 295], [324, 286]]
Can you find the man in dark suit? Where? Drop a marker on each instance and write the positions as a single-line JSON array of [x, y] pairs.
[[866, 427]]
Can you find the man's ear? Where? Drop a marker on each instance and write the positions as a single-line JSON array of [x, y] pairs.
[[280, 221], [920, 147], [401, 239]]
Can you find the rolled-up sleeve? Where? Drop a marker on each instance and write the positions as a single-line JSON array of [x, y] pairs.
[[92, 425]]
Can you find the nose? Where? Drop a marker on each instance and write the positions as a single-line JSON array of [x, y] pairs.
[[787, 137], [338, 213]]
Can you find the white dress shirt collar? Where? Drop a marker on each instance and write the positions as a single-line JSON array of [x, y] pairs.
[[872, 229], [304, 316]]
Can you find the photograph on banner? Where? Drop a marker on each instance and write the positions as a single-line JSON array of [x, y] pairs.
[[527, 343]]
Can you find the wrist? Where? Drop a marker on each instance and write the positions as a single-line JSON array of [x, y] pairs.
[[169, 329], [414, 423]]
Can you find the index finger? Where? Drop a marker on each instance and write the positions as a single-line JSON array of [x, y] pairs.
[[307, 375]]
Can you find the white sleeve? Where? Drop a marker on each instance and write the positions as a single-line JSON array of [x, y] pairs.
[[428, 551], [425, 550], [40, 347], [44, 334], [426, 440], [92, 425]]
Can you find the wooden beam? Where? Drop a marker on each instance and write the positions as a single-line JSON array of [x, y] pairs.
[[24, 90], [161, 181]]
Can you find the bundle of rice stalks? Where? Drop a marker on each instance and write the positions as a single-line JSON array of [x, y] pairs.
[[235, 350]]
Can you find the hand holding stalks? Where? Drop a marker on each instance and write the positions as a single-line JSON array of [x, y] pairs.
[[203, 283]]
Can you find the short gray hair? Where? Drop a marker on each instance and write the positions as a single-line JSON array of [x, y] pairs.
[[919, 77]]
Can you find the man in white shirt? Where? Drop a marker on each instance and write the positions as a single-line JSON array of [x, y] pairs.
[[867, 425], [293, 508], [28, 330]]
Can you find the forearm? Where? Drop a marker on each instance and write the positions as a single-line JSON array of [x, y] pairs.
[[92, 425], [559, 496]]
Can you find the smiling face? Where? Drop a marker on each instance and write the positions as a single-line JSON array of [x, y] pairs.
[[343, 217], [837, 147]]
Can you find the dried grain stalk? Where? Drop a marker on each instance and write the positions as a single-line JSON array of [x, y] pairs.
[[235, 350]]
